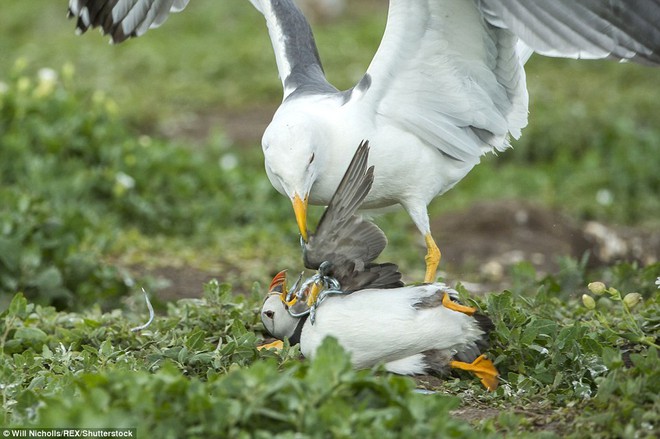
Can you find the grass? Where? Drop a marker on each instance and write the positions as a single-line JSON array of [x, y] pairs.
[[94, 183]]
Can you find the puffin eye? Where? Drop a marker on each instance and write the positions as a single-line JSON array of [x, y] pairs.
[[270, 314]]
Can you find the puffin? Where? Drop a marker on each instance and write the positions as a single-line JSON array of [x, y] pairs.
[[412, 330]]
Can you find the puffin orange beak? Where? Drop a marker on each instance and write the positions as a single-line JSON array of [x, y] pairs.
[[278, 286], [300, 210], [278, 281]]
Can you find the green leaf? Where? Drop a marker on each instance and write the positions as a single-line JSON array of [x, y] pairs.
[[195, 341], [26, 400], [612, 358], [30, 334], [529, 335], [183, 355], [46, 353], [91, 323], [330, 362], [647, 361], [106, 349], [18, 306]]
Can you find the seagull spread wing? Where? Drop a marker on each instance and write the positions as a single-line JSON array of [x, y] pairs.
[[344, 240], [451, 71], [617, 29], [296, 55], [122, 19], [449, 77]]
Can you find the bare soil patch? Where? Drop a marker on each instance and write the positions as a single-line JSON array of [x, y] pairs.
[[489, 237]]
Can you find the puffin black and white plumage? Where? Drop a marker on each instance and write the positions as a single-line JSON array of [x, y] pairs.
[[411, 329], [446, 86]]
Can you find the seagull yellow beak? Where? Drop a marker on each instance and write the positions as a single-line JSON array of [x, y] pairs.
[[300, 209]]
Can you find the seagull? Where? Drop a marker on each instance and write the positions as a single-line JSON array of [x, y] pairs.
[[446, 86], [365, 306]]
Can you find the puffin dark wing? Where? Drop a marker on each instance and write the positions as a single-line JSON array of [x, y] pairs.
[[341, 235], [388, 276], [122, 19], [355, 240], [347, 243], [380, 276], [352, 190]]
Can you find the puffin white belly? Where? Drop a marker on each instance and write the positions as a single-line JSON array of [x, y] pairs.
[[385, 326]]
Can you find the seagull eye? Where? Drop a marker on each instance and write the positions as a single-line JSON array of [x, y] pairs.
[[270, 314]]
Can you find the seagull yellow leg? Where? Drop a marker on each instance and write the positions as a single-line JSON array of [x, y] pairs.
[[277, 344], [450, 304], [432, 258], [483, 368]]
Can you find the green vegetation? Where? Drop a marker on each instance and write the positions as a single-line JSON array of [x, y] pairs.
[[567, 371], [101, 176]]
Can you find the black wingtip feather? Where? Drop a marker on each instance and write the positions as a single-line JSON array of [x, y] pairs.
[[484, 322], [486, 325]]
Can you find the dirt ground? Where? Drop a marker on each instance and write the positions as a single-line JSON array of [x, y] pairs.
[[490, 237]]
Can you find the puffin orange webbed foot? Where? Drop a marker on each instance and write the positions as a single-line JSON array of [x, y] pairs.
[[483, 368], [277, 345]]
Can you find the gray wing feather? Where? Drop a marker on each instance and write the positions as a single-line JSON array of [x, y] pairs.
[[377, 276], [122, 19], [617, 29], [385, 275]]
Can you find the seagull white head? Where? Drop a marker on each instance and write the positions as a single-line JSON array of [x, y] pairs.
[[293, 156]]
